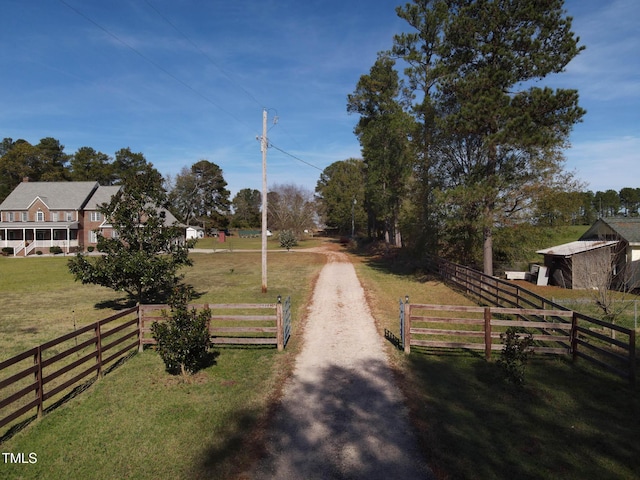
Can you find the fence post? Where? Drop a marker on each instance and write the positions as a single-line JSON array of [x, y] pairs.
[[407, 325], [98, 349], [401, 308], [632, 358], [279, 325], [487, 333], [37, 359], [206, 309], [140, 328], [574, 336]]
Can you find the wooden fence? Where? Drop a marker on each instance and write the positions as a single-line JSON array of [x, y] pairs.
[[238, 324], [481, 329], [45, 374], [604, 344]]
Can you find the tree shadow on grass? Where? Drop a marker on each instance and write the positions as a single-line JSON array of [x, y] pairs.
[[122, 303], [568, 421], [117, 304]]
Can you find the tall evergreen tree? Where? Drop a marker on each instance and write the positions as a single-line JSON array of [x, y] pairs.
[[384, 130], [494, 137], [246, 208], [340, 193], [87, 164], [200, 194]]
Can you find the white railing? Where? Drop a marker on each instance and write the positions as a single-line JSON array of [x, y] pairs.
[[19, 245]]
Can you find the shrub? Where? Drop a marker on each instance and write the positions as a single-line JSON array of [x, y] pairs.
[[90, 248], [7, 251], [55, 250], [515, 353], [288, 239], [183, 338], [38, 252]]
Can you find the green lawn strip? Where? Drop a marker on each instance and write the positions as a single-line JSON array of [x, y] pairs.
[[570, 421], [138, 422], [234, 242]]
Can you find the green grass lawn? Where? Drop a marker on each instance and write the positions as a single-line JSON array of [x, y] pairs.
[[569, 421], [139, 422], [234, 242]]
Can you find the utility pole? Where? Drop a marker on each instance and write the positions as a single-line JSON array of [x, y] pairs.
[[263, 148]]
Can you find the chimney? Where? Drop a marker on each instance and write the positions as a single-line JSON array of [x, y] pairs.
[[25, 179]]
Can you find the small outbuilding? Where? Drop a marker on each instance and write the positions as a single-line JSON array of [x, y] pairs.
[[580, 264], [194, 232], [607, 255], [625, 230]]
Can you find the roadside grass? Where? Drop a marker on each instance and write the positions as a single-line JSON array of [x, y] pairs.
[[234, 242], [139, 422], [570, 421]]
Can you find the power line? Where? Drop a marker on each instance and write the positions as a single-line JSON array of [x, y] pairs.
[[296, 158], [182, 82], [224, 72], [152, 62]]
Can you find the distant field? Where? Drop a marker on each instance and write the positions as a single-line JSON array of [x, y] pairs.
[[234, 242], [41, 300], [553, 237]]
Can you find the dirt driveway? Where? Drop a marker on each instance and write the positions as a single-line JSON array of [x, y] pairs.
[[341, 416]]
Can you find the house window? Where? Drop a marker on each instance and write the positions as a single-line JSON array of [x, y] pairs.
[[69, 216], [24, 216], [54, 216], [40, 216], [93, 236], [95, 216], [10, 217]]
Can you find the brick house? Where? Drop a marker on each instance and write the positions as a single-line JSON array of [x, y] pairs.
[[39, 215]]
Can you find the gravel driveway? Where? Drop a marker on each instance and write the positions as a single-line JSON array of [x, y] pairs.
[[341, 415]]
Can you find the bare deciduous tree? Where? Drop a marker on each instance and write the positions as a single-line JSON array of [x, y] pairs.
[[291, 207]]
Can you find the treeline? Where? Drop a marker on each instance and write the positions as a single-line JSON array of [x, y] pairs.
[[197, 195], [462, 147]]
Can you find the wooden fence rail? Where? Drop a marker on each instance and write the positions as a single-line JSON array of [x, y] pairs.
[[589, 335], [44, 375], [481, 329], [54, 368], [256, 324]]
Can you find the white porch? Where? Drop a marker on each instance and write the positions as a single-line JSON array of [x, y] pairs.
[[26, 237]]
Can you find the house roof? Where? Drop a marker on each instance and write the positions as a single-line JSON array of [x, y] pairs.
[[102, 195], [56, 195], [66, 196], [572, 248], [627, 228]]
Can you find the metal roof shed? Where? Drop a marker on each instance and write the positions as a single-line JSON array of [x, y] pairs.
[[580, 264]]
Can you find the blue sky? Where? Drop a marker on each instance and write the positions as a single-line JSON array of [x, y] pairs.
[[184, 80]]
